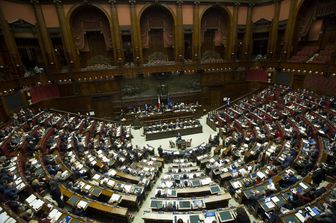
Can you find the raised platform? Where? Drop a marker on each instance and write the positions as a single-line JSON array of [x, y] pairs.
[[173, 133]]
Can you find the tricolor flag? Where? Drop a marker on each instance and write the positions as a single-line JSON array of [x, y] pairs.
[[169, 104], [158, 103]]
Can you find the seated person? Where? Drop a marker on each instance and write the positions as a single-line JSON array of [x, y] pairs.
[[178, 137], [288, 180], [242, 216]]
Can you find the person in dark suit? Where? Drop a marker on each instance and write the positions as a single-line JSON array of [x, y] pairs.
[[319, 175], [242, 216], [55, 193]]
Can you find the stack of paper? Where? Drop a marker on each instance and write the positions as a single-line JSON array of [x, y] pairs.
[[300, 216], [37, 204], [30, 199], [87, 187], [261, 175], [236, 185], [82, 204], [54, 215], [275, 199], [4, 217], [96, 177], [115, 198], [304, 186], [112, 172], [128, 188], [206, 181], [270, 204]]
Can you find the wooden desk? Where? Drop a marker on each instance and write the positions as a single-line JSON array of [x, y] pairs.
[[209, 202], [219, 215], [173, 133], [115, 212], [128, 177], [194, 191]]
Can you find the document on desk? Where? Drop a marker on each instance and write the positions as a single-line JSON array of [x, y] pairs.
[[30, 199], [96, 177], [311, 212], [261, 175], [55, 214], [37, 204], [206, 181], [87, 187], [112, 172], [300, 216], [236, 185], [128, 188], [270, 204], [4, 217], [10, 220], [225, 170], [303, 185], [82, 204], [115, 198], [275, 199]]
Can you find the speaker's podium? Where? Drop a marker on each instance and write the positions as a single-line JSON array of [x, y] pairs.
[[181, 144]]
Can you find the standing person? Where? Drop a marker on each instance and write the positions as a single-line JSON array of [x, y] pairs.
[[56, 194]]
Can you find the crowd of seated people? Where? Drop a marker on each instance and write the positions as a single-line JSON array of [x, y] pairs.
[[277, 140], [150, 110], [163, 126], [276, 155], [189, 153], [58, 158], [184, 187]]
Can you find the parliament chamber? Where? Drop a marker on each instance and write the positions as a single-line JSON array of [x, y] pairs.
[[172, 111]]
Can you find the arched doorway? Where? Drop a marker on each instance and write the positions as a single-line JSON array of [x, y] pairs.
[[214, 33], [157, 34], [92, 36]]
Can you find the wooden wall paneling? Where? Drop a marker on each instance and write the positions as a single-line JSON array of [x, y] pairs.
[[66, 89], [71, 104], [298, 81], [3, 116]]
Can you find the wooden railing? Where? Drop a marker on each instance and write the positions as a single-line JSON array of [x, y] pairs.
[[132, 72]]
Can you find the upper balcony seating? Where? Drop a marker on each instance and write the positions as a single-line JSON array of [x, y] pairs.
[[304, 54]]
